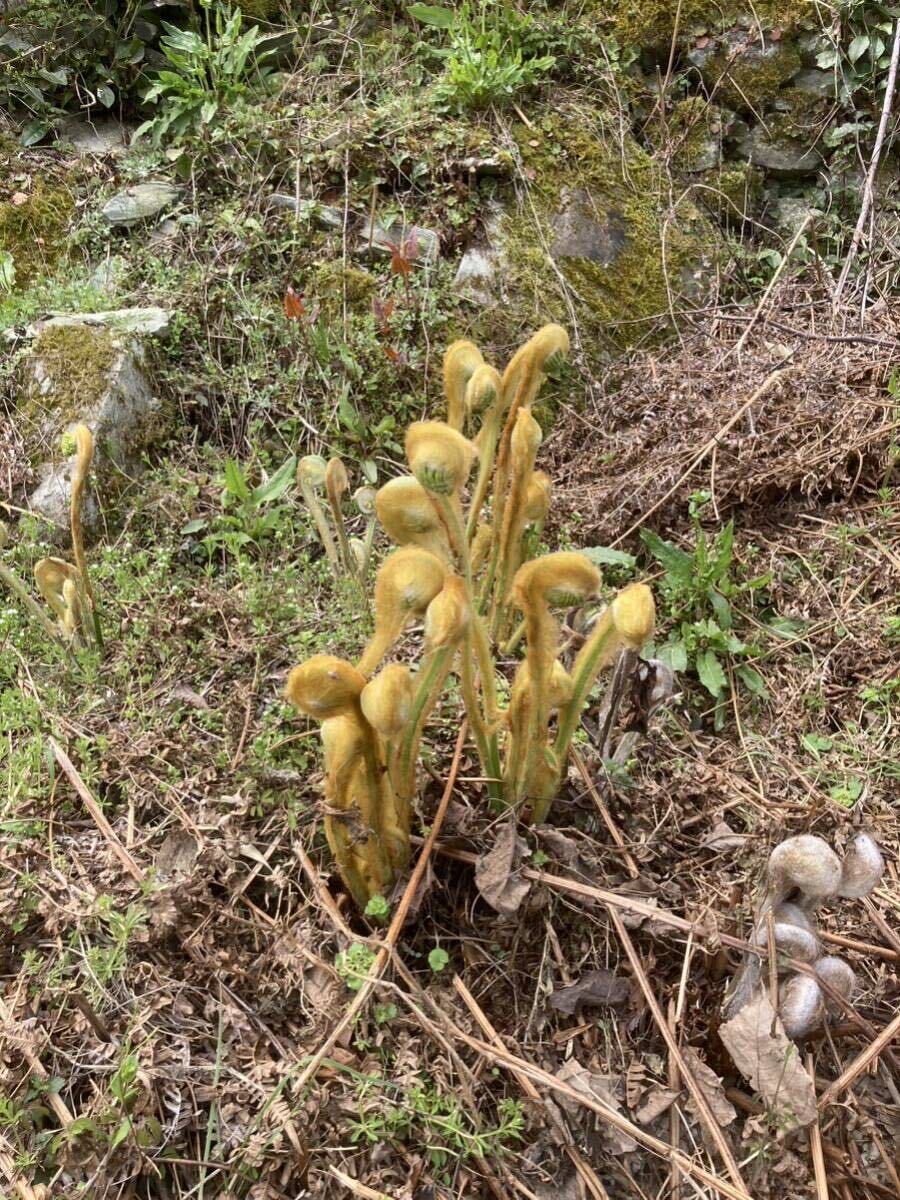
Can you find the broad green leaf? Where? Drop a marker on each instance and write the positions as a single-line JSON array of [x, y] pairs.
[[724, 550], [710, 672], [433, 14], [816, 744], [677, 565], [438, 959], [607, 556], [106, 95], [121, 1133], [752, 680], [194, 526], [721, 608], [235, 483], [858, 47], [277, 484], [675, 654]]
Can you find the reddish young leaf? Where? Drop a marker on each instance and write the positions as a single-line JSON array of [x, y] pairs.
[[400, 265], [382, 310], [397, 357], [411, 245], [294, 308]]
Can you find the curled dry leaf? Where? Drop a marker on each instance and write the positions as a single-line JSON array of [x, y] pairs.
[[770, 1061], [723, 837], [594, 987], [711, 1086], [599, 1087], [658, 1100], [497, 872]]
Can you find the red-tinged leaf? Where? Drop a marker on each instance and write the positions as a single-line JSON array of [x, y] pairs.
[[383, 310], [397, 357], [399, 264], [411, 245], [294, 308]]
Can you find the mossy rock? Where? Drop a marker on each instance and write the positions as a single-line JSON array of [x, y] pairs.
[[693, 135], [596, 232], [337, 284], [96, 376], [731, 192], [743, 74], [651, 24], [33, 229], [261, 10]]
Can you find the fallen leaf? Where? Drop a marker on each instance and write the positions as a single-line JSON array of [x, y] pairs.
[[658, 1100], [598, 1087], [182, 692], [594, 987], [711, 1086], [176, 856], [770, 1061], [497, 872], [723, 837]]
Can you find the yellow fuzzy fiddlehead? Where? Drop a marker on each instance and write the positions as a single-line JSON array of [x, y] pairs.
[[461, 361], [409, 518], [406, 583], [439, 457], [84, 455], [336, 486], [362, 825], [57, 581], [18, 589], [311, 472], [524, 444], [484, 397], [553, 581], [626, 624]]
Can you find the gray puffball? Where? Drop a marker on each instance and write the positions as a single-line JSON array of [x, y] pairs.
[[805, 863], [801, 1006], [861, 868]]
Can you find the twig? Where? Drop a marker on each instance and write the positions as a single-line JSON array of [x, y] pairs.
[[815, 1143], [859, 1064], [869, 186], [739, 344], [383, 956], [766, 384], [633, 869], [357, 1188], [37, 1068], [583, 1168], [697, 1093], [96, 812], [514, 1063], [23, 1190]]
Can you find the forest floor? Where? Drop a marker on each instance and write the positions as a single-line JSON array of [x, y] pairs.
[[177, 953]]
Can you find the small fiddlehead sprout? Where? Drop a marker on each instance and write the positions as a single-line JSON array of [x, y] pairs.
[[84, 455], [861, 867], [409, 518], [57, 582], [365, 500], [18, 589], [387, 699], [801, 1006], [311, 471], [461, 361], [484, 395], [406, 583], [336, 485]]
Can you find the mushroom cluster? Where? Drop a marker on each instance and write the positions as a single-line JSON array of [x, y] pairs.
[[803, 873]]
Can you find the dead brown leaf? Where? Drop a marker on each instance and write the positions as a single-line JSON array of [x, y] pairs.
[[497, 872], [594, 987], [658, 1100], [723, 837], [770, 1061], [711, 1086], [599, 1087]]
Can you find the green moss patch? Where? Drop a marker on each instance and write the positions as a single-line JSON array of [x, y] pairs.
[[624, 256], [33, 231], [337, 283], [651, 23], [78, 361]]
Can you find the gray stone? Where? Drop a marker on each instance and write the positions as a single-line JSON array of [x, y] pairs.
[[107, 275], [150, 320], [120, 409], [97, 139], [481, 266], [326, 216], [139, 202], [816, 83], [582, 229], [788, 213], [377, 240], [782, 157]]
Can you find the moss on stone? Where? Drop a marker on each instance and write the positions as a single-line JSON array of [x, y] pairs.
[[656, 251], [732, 192], [651, 23], [33, 232], [77, 362], [694, 130], [803, 114], [750, 82], [335, 282], [261, 10]]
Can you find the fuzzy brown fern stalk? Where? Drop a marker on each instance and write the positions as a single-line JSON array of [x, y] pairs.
[[467, 521], [65, 587]]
